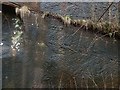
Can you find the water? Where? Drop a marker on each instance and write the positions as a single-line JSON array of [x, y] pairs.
[[51, 55]]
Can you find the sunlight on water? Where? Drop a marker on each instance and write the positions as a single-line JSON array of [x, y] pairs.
[[16, 36]]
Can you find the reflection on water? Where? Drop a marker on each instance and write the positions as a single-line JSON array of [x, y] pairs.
[[48, 54]]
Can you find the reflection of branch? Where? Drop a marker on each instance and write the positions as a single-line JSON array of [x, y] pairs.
[[67, 47], [105, 11], [92, 78], [80, 38], [70, 84], [75, 83], [93, 42], [112, 80], [77, 30], [104, 82], [7, 21], [73, 33], [60, 82], [86, 83], [81, 82], [64, 47]]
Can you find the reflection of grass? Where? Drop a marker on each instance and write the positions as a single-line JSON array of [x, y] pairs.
[[87, 81], [60, 82], [90, 80], [104, 27]]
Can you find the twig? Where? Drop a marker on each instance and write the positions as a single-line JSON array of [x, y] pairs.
[[104, 82], [112, 80], [76, 31], [60, 83], [95, 39], [105, 11], [82, 81], [92, 78], [73, 33], [75, 83], [86, 83], [70, 84], [80, 38]]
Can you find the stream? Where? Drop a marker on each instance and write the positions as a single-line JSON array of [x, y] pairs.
[[44, 53]]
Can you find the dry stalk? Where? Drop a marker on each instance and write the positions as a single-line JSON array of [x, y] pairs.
[[75, 82], [80, 39], [82, 82], [112, 80], [104, 82], [70, 84], [60, 82], [94, 40], [92, 78], [105, 11], [86, 83], [73, 33], [7, 20]]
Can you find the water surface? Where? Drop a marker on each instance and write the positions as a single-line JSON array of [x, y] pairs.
[[44, 53]]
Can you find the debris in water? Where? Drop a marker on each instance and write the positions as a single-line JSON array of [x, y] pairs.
[[41, 44], [6, 77], [1, 44], [22, 11], [67, 20]]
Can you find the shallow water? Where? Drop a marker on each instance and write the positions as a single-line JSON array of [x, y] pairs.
[[51, 55]]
